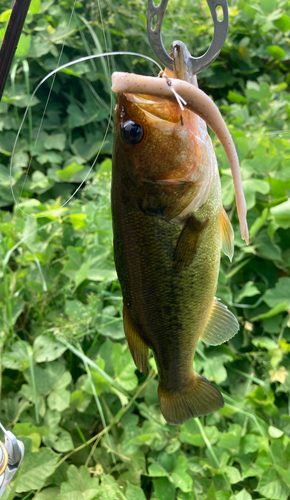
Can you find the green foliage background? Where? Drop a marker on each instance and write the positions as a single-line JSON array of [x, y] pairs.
[[69, 389]]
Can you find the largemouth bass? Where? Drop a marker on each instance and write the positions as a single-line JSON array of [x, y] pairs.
[[169, 226]]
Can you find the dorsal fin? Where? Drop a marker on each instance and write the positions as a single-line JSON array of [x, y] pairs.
[[222, 325], [227, 235]]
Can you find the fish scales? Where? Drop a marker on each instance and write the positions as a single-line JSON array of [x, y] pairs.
[[168, 222], [163, 304]]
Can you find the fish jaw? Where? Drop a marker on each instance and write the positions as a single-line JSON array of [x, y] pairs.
[[172, 165]]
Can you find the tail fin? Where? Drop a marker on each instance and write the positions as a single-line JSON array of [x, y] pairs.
[[199, 397]]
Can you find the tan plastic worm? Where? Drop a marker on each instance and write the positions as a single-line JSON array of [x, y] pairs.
[[202, 105]]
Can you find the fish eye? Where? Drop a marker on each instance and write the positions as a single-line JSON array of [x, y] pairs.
[[132, 132]]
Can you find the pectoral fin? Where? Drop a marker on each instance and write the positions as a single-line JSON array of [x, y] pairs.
[[187, 243], [227, 235], [222, 325], [137, 346]]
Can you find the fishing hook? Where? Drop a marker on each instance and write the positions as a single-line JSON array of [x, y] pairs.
[[11, 455], [198, 63]]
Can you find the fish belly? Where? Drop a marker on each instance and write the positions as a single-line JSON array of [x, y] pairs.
[[168, 308]]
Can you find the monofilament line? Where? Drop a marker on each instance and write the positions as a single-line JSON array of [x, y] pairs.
[[52, 74]]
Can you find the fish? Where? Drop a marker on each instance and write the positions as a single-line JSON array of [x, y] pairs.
[[169, 226]]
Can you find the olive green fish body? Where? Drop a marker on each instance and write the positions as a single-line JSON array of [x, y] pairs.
[[168, 308], [167, 255]]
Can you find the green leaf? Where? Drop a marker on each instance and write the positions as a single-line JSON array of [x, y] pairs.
[[35, 6], [17, 358], [265, 246], [67, 174], [270, 314], [214, 367], [115, 330], [51, 493], [258, 92], [265, 343], [276, 51], [29, 232], [280, 294], [78, 220], [59, 397], [61, 443], [47, 349], [248, 290], [268, 5], [105, 271], [179, 475], [189, 433], [272, 486], [55, 141], [77, 311], [283, 23], [26, 428], [234, 97], [82, 273], [5, 15], [36, 468], [233, 474], [281, 214], [274, 432], [124, 367], [87, 148], [242, 495], [75, 257], [80, 484], [156, 470], [231, 440], [211, 493], [52, 381], [164, 489], [249, 444], [134, 492], [252, 186], [23, 45]]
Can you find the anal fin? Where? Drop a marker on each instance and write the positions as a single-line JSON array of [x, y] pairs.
[[227, 235], [222, 325], [187, 243], [137, 346]]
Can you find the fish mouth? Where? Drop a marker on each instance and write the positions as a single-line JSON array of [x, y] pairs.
[[155, 108]]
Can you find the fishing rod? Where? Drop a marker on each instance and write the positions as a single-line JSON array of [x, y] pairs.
[[12, 450], [11, 39]]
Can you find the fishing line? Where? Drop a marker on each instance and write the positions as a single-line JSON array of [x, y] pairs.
[[53, 74], [45, 107], [13, 72]]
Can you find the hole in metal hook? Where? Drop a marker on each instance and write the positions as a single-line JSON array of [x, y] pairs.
[[219, 13], [154, 22]]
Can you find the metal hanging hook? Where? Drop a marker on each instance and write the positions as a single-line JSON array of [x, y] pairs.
[[198, 63]]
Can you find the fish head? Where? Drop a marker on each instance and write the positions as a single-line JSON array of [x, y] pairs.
[[156, 135], [164, 151]]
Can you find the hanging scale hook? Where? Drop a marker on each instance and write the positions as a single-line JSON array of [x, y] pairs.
[[198, 63]]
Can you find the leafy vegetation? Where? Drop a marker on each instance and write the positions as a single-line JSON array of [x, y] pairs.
[[89, 420]]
